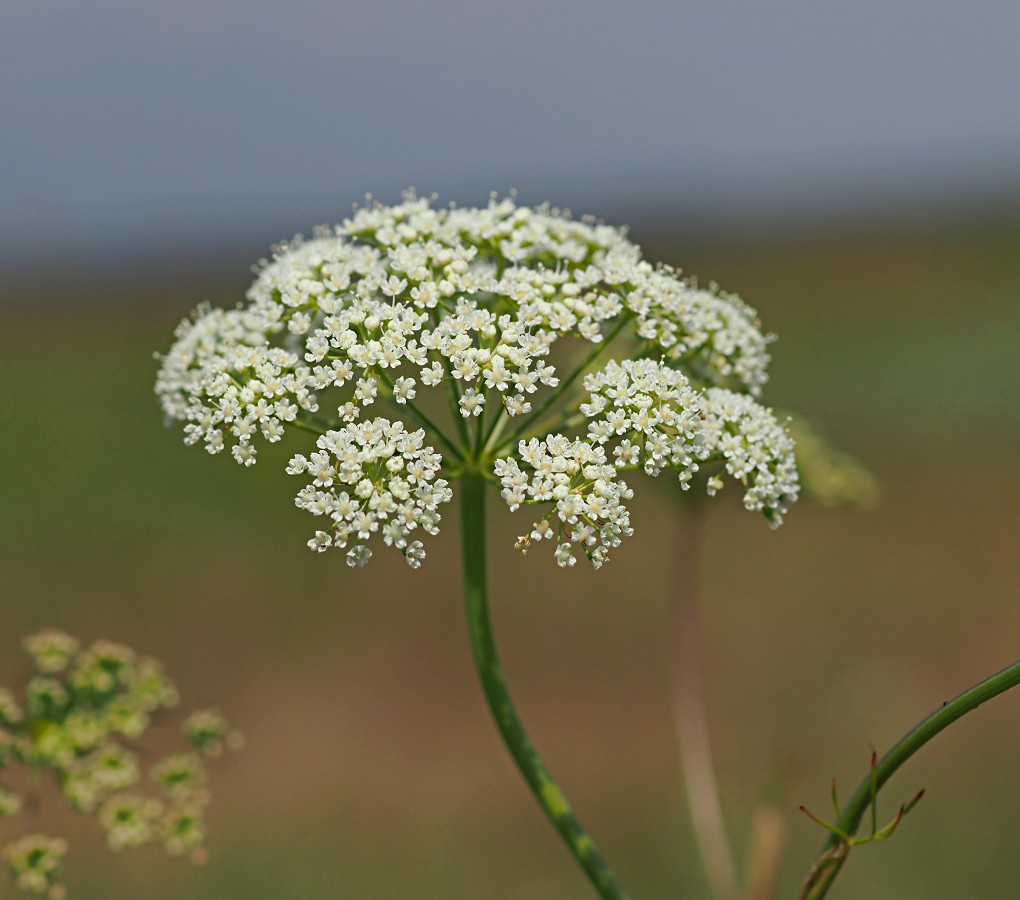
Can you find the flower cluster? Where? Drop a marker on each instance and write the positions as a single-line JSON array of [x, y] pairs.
[[37, 862], [401, 302], [713, 335], [81, 710], [652, 408], [580, 483], [370, 477], [755, 448], [229, 384]]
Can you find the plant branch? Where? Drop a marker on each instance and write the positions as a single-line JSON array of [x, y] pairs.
[[421, 418], [896, 756], [561, 388]]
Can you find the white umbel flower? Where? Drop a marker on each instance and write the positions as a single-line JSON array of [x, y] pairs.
[[714, 335], [401, 302], [756, 449], [409, 291], [583, 490], [372, 477], [652, 408], [229, 384]]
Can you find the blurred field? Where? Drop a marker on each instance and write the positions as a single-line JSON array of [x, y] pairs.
[[372, 770]]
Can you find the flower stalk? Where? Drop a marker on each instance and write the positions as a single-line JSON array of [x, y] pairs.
[[548, 794]]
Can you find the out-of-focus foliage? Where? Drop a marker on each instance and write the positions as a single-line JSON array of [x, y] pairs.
[[828, 475]]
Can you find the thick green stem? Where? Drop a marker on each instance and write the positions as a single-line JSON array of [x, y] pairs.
[[907, 746], [546, 791]]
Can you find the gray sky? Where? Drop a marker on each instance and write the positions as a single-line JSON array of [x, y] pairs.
[[131, 125]]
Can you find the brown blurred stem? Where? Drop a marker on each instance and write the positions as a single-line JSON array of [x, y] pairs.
[[691, 716], [768, 844], [33, 799]]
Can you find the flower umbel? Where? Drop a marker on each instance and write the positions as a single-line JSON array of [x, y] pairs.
[[580, 483], [369, 477], [485, 311], [501, 344], [653, 409], [756, 449]]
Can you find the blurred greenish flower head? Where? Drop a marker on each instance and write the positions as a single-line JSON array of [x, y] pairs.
[[81, 712], [416, 343]]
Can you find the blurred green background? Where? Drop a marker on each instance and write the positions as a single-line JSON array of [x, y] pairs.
[[372, 769]]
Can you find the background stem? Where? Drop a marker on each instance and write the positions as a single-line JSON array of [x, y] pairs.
[[546, 791], [691, 717]]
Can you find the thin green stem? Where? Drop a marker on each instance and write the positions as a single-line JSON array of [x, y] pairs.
[[312, 424], [549, 796], [480, 424], [423, 419], [499, 421], [900, 752], [454, 394], [562, 387]]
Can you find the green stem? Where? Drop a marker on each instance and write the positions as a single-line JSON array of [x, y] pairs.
[[900, 752], [421, 418], [495, 429], [561, 388], [312, 424], [454, 394], [549, 796], [480, 422]]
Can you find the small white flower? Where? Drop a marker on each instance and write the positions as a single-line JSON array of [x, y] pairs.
[[359, 555], [321, 541], [415, 553], [244, 454], [366, 391], [471, 403], [403, 389]]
